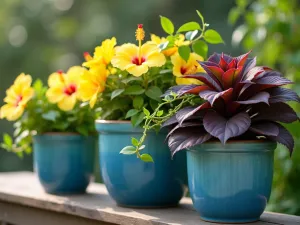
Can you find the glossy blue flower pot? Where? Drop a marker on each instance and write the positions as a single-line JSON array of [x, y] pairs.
[[64, 162], [231, 183], [133, 183]]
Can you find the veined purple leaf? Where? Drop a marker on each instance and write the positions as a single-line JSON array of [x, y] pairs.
[[265, 128], [252, 73], [220, 127], [215, 58], [269, 73], [242, 59], [284, 137], [185, 124], [206, 79], [212, 96], [260, 97], [187, 137], [169, 122], [179, 89], [207, 63], [272, 81], [280, 112], [188, 112], [279, 94]]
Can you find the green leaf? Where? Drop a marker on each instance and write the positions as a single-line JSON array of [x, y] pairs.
[[184, 52], [191, 35], [7, 140], [137, 119], [153, 104], [128, 150], [201, 48], [129, 79], [134, 90], [233, 16], [154, 93], [116, 93], [38, 85], [51, 115], [83, 130], [160, 113], [134, 141], [189, 27], [167, 25], [131, 113], [146, 158], [146, 112], [142, 147], [138, 102], [213, 37]]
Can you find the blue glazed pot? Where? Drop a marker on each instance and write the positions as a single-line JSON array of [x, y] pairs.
[[231, 183], [64, 162], [133, 183]]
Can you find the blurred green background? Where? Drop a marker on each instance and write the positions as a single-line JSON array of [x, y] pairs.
[[41, 36]]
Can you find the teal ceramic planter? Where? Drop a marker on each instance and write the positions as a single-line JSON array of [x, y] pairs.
[[231, 183], [133, 183], [64, 162]]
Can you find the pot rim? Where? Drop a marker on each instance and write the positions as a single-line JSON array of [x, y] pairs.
[[53, 133], [113, 121]]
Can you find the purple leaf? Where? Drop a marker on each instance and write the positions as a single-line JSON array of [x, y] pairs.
[[280, 112], [206, 79], [212, 96], [215, 58], [169, 122], [265, 128], [188, 112], [272, 81], [179, 89], [224, 129], [242, 59], [187, 137], [185, 124], [252, 73], [260, 97], [284, 137], [279, 94]]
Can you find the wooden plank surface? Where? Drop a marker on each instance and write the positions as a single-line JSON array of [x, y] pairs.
[[23, 189]]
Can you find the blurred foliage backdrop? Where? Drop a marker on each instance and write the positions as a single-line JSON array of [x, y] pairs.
[[42, 36], [271, 28]]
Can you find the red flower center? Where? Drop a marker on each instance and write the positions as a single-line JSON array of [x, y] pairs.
[[183, 70], [70, 90], [136, 61], [18, 100]]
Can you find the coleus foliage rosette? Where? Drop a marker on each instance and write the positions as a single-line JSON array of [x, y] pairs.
[[242, 101]]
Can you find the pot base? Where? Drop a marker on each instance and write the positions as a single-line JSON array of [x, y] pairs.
[[229, 221]]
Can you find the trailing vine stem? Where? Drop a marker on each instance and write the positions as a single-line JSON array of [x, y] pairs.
[[155, 120]]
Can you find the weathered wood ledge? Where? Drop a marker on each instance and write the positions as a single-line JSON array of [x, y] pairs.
[[23, 202]]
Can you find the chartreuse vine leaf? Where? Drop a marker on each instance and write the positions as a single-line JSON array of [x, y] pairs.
[[200, 15], [146, 112], [213, 37], [184, 52], [131, 113], [191, 35], [134, 141], [146, 158], [116, 93], [201, 48], [189, 27], [128, 150], [7, 140], [138, 102], [154, 92], [134, 90], [167, 25]]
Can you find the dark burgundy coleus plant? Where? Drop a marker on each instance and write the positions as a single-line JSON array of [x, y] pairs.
[[242, 101]]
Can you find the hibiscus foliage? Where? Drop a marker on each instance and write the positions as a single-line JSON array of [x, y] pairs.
[[242, 101]]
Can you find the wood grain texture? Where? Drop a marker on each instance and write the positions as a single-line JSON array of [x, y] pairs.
[[23, 189]]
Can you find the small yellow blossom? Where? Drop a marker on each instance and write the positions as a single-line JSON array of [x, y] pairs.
[[136, 60], [102, 55], [170, 51], [91, 84], [17, 97], [63, 88], [181, 68]]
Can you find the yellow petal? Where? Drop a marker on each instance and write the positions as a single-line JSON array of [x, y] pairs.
[[67, 103], [155, 60], [170, 51], [27, 95], [74, 74], [55, 94], [11, 113], [124, 56], [93, 100], [187, 81], [55, 79], [138, 70]]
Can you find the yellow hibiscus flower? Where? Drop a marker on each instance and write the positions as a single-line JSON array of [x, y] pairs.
[[181, 68], [171, 51], [63, 88], [136, 60], [91, 84], [102, 55], [17, 97]]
